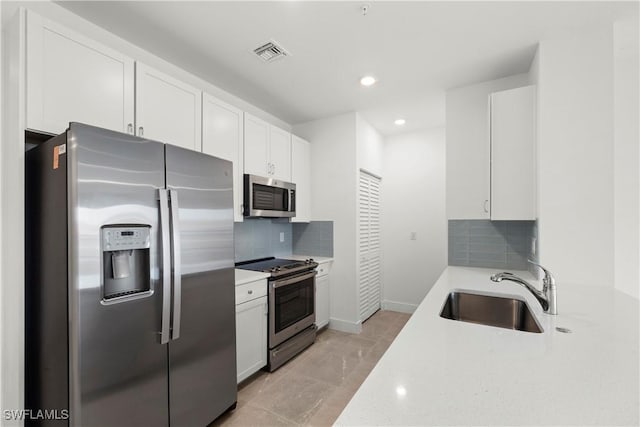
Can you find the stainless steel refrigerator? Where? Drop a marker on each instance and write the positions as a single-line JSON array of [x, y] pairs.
[[130, 313]]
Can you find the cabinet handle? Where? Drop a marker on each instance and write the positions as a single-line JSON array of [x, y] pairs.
[[273, 169], [140, 131], [130, 128], [268, 168], [486, 206], [250, 292]]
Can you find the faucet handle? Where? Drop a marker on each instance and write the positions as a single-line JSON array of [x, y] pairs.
[[548, 279]]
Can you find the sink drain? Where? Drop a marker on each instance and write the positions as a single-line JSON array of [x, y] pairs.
[[563, 330]]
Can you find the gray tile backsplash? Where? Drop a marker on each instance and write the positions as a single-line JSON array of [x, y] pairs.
[[260, 238], [493, 244], [314, 238]]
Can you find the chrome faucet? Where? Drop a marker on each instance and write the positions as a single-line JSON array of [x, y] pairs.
[[546, 297]]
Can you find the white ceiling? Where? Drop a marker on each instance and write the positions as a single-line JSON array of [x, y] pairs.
[[416, 49]]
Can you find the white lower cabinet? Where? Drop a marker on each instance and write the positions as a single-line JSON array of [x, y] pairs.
[[322, 295], [252, 311]]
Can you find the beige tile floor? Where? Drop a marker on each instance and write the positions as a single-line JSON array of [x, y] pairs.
[[313, 388]]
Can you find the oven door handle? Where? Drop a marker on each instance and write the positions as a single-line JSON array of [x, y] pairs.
[[294, 279]]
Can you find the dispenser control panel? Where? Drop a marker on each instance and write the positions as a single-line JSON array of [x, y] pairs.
[[125, 238]]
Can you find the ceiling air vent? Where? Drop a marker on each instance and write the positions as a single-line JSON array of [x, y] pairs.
[[271, 51]]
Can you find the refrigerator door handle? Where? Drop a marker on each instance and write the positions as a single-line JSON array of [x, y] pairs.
[[175, 264], [163, 197]]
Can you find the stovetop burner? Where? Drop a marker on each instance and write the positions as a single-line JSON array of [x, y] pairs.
[[277, 266]]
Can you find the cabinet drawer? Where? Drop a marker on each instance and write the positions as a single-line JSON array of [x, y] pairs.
[[324, 269], [250, 291]]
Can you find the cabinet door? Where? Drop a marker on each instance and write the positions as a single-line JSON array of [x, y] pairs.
[[301, 177], [73, 78], [256, 146], [280, 153], [467, 156], [513, 190], [251, 337], [222, 136], [167, 109], [322, 300]]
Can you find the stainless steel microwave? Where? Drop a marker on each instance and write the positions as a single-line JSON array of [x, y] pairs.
[[268, 197]]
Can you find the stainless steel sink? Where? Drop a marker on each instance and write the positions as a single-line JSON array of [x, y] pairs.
[[490, 310]]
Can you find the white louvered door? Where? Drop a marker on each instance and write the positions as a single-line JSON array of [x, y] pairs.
[[369, 244]]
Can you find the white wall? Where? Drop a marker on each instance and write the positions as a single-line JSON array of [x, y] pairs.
[[12, 226], [467, 127], [626, 160], [414, 201], [334, 186], [575, 153], [369, 147], [2, 51]]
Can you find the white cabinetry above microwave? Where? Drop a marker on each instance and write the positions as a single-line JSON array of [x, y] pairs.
[[73, 78], [301, 177], [267, 149]]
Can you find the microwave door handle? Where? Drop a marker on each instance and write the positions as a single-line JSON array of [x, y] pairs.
[[176, 265], [292, 201], [166, 266]]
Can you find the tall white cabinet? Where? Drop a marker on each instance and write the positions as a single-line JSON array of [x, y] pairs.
[[513, 186], [222, 136], [167, 109], [267, 149], [369, 292], [301, 176], [73, 78]]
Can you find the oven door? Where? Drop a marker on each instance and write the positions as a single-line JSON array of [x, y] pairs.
[[291, 306]]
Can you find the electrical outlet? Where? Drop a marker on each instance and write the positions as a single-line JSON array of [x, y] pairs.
[[414, 235], [281, 236]]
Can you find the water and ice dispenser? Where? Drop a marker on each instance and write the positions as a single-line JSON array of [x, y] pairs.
[[125, 260]]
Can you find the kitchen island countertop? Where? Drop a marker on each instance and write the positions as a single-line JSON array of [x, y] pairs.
[[445, 372]]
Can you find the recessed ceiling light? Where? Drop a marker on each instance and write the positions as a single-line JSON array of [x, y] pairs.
[[400, 122], [367, 80]]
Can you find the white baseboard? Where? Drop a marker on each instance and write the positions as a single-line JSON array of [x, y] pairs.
[[402, 307], [345, 326]]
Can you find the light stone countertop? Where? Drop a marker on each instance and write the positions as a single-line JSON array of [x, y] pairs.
[[247, 276], [445, 372]]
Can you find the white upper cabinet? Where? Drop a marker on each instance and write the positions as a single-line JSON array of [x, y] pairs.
[[467, 159], [267, 149], [491, 153], [167, 110], [222, 136], [513, 188], [301, 177], [72, 78], [256, 146], [280, 153]]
